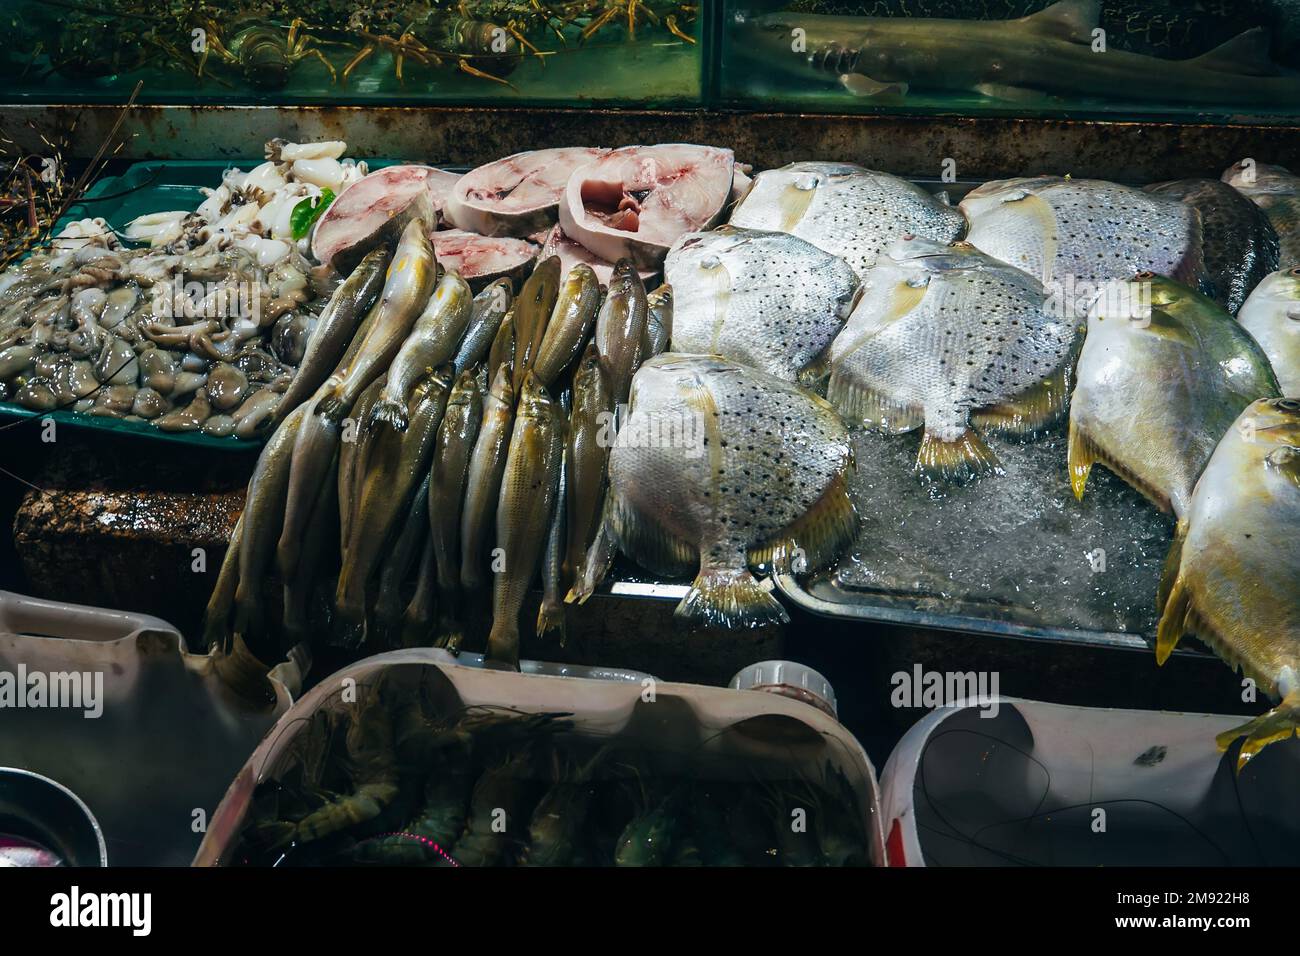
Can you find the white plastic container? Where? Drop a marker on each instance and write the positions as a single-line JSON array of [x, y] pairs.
[[719, 725], [1049, 784]]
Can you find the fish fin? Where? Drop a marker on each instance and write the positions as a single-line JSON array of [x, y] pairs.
[[813, 539], [1286, 462], [1167, 326], [867, 406], [332, 408], [1246, 54], [965, 458], [1083, 453], [729, 597], [597, 562], [1173, 616], [389, 412], [943, 198], [1011, 94], [1278, 724], [859, 84], [1173, 565], [1072, 20], [654, 547], [550, 620], [1030, 412]]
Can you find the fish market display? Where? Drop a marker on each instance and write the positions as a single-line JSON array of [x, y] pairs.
[[1025, 60], [635, 202], [1075, 233], [721, 468], [1157, 392], [516, 196], [1232, 572], [572, 253], [201, 324], [848, 211], [415, 782], [768, 300], [1272, 316], [1276, 190], [952, 340], [1240, 244], [376, 209]]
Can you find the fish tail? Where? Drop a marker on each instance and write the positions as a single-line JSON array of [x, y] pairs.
[[729, 597], [333, 409], [390, 412], [1174, 612], [1278, 724], [550, 620], [815, 538], [1080, 457], [1173, 565], [964, 459], [503, 643]]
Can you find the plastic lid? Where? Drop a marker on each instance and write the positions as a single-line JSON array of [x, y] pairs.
[[790, 679]]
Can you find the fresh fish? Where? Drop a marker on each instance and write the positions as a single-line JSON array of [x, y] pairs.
[[590, 436], [1156, 393], [1074, 234], [518, 195], [1272, 316], [524, 511], [456, 438], [621, 325], [337, 326], [372, 212], [955, 341], [532, 313], [318, 549], [1231, 574], [407, 547], [550, 614], [407, 287], [490, 307], [843, 209], [216, 619], [352, 456], [417, 622], [573, 254], [636, 201], [1240, 244], [260, 522], [722, 467], [1049, 53], [394, 468], [659, 326], [569, 325], [502, 352], [312, 465], [431, 342], [482, 486], [480, 260], [1276, 190], [768, 300]]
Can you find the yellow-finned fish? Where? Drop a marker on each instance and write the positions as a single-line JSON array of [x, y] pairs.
[[590, 434], [1233, 574], [569, 325], [532, 314]]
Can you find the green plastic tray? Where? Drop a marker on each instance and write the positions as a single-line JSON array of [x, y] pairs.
[[149, 187]]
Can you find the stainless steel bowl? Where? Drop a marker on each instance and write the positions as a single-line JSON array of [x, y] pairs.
[[43, 823]]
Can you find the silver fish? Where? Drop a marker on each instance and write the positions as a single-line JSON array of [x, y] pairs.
[[621, 328], [490, 307], [1276, 190], [1272, 316], [768, 300]]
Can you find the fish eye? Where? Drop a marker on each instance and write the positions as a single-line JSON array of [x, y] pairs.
[[1287, 404], [1145, 275], [1294, 272]]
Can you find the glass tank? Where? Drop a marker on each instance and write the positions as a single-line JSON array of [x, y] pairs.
[[1216, 60], [553, 52]]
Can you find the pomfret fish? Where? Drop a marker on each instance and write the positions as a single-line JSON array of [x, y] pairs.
[[525, 508], [720, 467], [953, 340], [1156, 393], [1232, 571], [1272, 316], [768, 300], [1071, 231], [1276, 190], [846, 210], [1240, 244]]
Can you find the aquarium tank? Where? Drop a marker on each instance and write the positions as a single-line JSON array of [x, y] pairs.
[[503, 52], [1211, 60]]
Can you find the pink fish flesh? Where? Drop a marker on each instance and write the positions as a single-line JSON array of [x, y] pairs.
[[482, 259], [518, 195], [376, 208], [556, 243]]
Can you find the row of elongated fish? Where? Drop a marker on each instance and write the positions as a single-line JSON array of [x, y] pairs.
[[458, 440], [1165, 322]]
